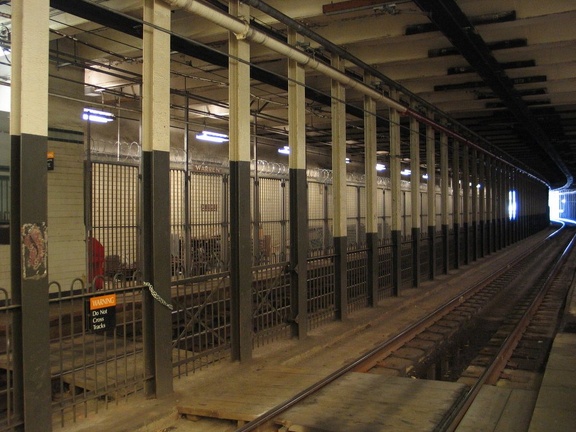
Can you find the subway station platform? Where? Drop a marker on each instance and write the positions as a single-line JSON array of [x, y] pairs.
[[224, 396]]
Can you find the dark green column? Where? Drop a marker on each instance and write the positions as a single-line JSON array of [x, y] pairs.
[[156, 241], [157, 315], [370, 143], [431, 192], [298, 196], [456, 201], [29, 251], [240, 215], [298, 252], [339, 191], [240, 261], [445, 179]]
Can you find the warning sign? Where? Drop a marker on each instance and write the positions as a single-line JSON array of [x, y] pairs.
[[102, 312]]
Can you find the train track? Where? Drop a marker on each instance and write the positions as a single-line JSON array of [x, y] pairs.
[[531, 277]]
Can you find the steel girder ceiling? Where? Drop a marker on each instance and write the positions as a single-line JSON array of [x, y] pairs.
[[505, 70]]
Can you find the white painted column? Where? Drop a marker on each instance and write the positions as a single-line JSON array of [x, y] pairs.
[[431, 172], [395, 179], [371, 191], [298, 193], [339, 189], [444, 186], [240, 216], [29, 213], [157, 319], [415, 198]]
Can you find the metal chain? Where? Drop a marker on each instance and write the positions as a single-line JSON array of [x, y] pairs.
[[157, 296]]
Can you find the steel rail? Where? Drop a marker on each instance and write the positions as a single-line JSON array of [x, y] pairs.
[[492, 373], [371, 357]]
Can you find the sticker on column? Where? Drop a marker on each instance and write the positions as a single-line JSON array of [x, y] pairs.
[[34, 250]]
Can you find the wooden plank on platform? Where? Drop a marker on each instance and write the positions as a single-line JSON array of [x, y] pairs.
[[376, 403], [247, 395]]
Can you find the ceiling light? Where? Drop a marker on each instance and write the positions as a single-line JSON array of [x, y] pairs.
[[92, 91], [97, 116], [284, 150], [425, 176], [380, 167], [212, 137], [405, 172], [347, 160]]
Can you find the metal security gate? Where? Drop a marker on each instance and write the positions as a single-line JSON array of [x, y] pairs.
[[199, 254], [9, 418], [114, 226], [92, 367], [321, 269], [270, 238]]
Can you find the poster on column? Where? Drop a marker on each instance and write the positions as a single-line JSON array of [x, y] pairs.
[[34, 241]]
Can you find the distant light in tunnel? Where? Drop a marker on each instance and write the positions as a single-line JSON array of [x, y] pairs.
[[512, 205]]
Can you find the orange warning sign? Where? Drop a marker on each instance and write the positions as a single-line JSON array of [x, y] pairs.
[[103, 301]]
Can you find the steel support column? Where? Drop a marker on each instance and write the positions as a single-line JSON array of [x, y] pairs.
[[395, 179], [29, 214], [431, 172], [339, 191], [371, 195], [415, 198], [156, 197], [466, 202], [444, 175], [508, 223], [298, 193], [489, 205], [498, 206], [456, 200], [475, 183], [240, 245], [482, 209]]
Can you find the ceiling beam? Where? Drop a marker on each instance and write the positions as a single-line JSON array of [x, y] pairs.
[[455, 25]]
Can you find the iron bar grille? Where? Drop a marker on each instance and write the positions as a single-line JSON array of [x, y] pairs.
[[91, 369], [114, 251], [4, 196], [439, 248], [270, 217], [384, 270], [356, 273], [271, 302], [199, 251], [406, 262], [9, 417], [320, 288]]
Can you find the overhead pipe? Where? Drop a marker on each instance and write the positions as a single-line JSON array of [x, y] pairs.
[[243, 30], [305, 31], [333, 48]]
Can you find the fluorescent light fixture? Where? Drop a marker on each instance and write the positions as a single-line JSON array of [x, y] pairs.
[[425, 176], [97, 116], [212, 137], [92, 91], [380, 167], [284, 150], [347, 160], [405, 172]]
